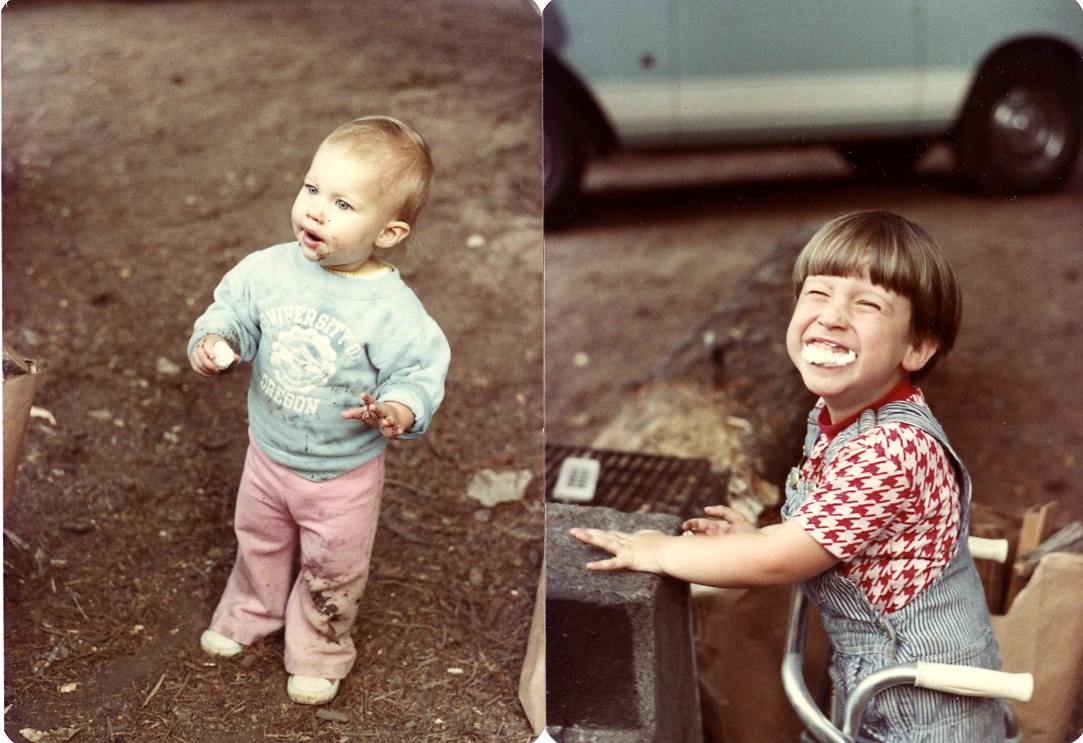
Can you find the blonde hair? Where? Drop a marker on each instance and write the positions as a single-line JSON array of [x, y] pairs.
[[897, 255], [407, 162]]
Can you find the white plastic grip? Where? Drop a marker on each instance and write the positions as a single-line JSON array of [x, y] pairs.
[[988, 549], [974, 682]]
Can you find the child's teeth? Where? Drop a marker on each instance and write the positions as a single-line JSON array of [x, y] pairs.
[[817, 354]]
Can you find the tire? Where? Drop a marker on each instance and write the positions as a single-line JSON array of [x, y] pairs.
[[1021, 130], [563, 159], [884, 160]]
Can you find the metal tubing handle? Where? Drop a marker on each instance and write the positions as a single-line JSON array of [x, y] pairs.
[[793, 680], [902, 674], [963, 680]]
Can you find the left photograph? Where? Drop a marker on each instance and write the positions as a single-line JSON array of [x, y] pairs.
[[272, 325]]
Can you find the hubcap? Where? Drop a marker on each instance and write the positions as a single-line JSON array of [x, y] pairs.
[[1028, 125]]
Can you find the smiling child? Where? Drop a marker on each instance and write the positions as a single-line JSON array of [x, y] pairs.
[[876, 516]]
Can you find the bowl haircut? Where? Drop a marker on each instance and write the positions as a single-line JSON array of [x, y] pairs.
[[895, 254]]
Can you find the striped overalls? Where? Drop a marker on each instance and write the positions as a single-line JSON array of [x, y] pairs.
[[947, 622]]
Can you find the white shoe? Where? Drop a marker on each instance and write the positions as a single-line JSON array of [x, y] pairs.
[[218, 644], [311, 690]]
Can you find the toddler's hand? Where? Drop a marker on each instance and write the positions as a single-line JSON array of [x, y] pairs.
[[392, 419], [638, 551], [204, 358], [721, 520]]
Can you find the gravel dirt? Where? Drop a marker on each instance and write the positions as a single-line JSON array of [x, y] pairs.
[[149, 146]]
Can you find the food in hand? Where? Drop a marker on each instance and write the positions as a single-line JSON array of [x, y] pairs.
[[223, 355]]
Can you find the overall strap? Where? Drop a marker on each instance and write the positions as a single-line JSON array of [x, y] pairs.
[[812, 432], [894, 412]]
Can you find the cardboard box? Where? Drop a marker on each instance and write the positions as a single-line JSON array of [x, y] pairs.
[[20, 380], [1042, 633]]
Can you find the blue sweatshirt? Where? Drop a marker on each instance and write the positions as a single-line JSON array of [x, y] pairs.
[[316, 341]]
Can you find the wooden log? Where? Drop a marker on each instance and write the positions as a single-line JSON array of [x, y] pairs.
[[1037, 525]]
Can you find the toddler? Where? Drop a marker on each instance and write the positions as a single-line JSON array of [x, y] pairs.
[[876, 515], [344, 358]]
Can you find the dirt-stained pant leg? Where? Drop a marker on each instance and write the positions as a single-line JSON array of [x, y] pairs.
[[253, 604], [337, 523]]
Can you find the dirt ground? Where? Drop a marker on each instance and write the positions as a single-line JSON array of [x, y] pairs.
[[147, 147]]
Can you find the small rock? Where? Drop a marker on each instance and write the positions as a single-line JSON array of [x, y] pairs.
[[332, 715], [48, 736], [490, 488], [167, 366], [43, 414]]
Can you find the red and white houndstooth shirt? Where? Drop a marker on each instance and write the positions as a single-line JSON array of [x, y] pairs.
[[887, 505]]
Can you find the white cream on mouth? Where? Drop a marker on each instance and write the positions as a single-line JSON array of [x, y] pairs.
[[827, 355]]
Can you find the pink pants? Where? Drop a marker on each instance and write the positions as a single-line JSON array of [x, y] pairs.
[[334, 522]]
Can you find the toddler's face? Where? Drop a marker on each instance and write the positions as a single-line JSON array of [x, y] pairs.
[[341, 214], [850, 339]]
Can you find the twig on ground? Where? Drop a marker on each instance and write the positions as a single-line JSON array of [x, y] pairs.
[[153, 691], [16, 540], [400, 530], [405, 486], [75, 598], [183, 683], [48, 659], [404, 625]]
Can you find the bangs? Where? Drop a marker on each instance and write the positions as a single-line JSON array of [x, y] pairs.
[[875, 250], [894, 254]]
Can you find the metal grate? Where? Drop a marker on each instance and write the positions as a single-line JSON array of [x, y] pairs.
[[630, 481]]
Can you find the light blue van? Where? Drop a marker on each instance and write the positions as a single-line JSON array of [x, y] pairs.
[[1002, 80]]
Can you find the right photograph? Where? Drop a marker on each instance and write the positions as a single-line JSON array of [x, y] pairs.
[[812, 444]]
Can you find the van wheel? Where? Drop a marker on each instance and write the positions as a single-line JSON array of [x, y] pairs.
[[563, 159], [1021, 130]]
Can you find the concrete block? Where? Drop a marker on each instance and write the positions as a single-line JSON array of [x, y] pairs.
[[620, 666]]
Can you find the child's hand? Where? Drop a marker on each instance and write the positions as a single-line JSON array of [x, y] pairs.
[[638, 551], [203, 359], [392, 419], [722, 520]]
